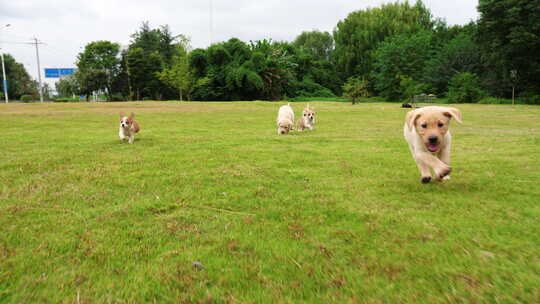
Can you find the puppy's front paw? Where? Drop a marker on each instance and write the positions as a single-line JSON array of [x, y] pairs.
[[444, 173], [446, 178], [425, 179]]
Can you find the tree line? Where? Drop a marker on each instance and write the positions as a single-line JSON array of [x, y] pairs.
[[395, 51]]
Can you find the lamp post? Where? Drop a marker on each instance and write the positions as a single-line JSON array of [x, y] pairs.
[[4, 70]]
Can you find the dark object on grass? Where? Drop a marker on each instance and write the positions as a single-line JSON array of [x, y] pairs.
[[406, 105], [198, 265]]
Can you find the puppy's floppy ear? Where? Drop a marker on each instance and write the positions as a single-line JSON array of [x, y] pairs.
[[412, 116], [453, 112], [131, 116]]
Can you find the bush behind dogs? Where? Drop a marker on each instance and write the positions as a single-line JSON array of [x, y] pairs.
[[465, 88]]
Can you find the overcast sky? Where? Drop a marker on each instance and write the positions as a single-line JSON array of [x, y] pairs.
[[65, 26]]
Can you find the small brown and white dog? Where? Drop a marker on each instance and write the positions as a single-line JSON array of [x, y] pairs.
[[307, 120], [128, 127], [426, 131], [285, 119]]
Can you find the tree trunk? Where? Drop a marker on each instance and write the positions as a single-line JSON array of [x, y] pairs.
[[181, 99]]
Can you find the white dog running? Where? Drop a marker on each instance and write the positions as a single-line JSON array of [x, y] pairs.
[[285, 119]]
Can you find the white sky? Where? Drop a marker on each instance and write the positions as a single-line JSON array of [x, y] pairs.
[[66, 26]]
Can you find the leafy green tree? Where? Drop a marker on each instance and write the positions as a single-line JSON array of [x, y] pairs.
[[319, 45], [121, 84], [410, 88], [67, 86], [150, 52], [19, 81], [233, 70], [275, 65], [357, 36], [461, 54], [400, 56], [97, 65], [355, 88], [143, 69], [179, 75], [509, 34], [315, 71], [465, 87]]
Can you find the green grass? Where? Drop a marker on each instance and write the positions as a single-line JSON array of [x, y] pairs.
[[333, 215]]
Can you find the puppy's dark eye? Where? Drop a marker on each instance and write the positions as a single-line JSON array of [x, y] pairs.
[[440, 125], [424, 126]]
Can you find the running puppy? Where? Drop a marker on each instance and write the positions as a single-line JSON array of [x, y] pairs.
[[128, 127], [307, 120], [285, 119], [426, 131]]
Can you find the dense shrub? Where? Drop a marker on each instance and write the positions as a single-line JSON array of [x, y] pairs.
[[494, 100], [27, 98], [530, 98], [410, 88], [66, 99], [117, 97], [310, 88], [464, 87], [355, 88]]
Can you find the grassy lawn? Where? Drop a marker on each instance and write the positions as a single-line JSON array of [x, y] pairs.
[[334, 215]]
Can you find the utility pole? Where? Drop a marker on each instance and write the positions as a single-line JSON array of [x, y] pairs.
[[4, 79], [36, 43]]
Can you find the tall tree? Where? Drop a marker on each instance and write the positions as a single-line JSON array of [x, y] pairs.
[[460, 54], [19, 81], [67, 86], [150, 52], [398, 57], [319, 45], [179, 75], [97, 65], [313, 53], [509, 33], [358, 35]]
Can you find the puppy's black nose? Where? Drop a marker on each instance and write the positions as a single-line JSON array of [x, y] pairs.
[[433, 139]]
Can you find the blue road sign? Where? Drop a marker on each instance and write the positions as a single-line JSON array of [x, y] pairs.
[[57, 73]]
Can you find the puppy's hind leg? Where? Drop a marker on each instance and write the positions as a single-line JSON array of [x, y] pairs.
[[131, 139]]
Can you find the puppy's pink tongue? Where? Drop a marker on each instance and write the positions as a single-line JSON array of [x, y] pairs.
[[432, 147]]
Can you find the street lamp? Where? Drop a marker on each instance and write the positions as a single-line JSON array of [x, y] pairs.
[[4, 70]]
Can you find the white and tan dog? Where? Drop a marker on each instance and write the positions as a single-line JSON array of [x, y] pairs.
[[307, 120], [285, 119], [426, 131], [128, 127]]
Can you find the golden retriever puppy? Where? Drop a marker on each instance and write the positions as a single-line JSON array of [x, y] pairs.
[[285, 119], [426, 131], [307, 120]]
